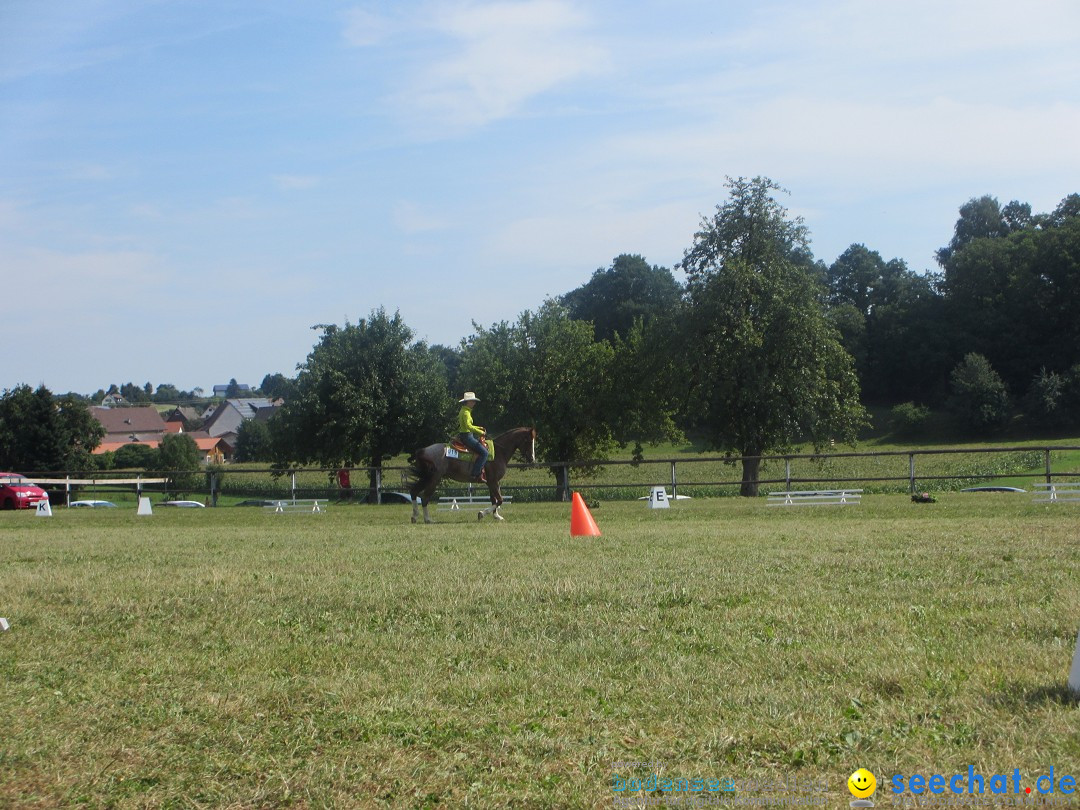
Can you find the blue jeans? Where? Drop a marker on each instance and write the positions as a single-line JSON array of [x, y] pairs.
[[479, 448]]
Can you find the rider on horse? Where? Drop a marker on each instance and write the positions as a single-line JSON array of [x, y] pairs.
[[472, 436]]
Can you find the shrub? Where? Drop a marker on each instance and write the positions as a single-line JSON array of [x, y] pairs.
[[907, 418], [136, 455]]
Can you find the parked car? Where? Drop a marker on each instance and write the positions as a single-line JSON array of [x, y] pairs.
[[187, 504], [93, 504], [19, 492]]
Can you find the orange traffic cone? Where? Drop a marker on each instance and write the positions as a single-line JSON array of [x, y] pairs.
[[581, 519]]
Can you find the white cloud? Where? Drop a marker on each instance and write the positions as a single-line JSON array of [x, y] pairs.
[[69, 293], [364, 28], [295, 182], [502, 55]]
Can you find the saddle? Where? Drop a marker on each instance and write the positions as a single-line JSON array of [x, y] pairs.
[[456, 448]]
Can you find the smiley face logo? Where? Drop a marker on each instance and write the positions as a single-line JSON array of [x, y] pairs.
[[862, 784]]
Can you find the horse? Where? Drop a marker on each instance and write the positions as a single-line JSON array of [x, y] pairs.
[[430, 465]]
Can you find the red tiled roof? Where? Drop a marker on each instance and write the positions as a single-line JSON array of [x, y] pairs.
[[112, 447]]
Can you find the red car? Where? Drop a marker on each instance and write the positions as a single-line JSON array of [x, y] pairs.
[[19, 492]]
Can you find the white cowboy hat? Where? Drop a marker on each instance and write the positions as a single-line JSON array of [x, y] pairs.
[[470, 396]]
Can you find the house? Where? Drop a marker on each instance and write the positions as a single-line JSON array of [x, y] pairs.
[[126, 425], [181, 419], [212, 449], [221, 391], [224, 420]]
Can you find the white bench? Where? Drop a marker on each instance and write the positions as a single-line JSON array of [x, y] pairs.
[[817, 497], [453, 503], [315, 506], [1056, 493]]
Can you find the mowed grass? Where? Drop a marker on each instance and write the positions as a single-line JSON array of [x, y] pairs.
[[234, 658]]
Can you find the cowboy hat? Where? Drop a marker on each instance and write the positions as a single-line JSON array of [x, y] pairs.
[[470, 396]]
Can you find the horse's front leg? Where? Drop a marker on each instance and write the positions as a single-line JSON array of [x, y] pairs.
[[496, 502], [415, 508]]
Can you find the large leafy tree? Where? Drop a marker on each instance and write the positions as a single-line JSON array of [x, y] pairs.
[[1011, 293], [43, 433], [890, 320], [648, 369], [366, 392], [617, 296], [549, 371], [178, 456], [768, 368], [980, 218], [277, 385]]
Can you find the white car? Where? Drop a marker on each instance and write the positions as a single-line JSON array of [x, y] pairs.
[[93, 504], [186, 504]]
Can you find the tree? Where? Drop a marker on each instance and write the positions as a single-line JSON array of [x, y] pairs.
[[135, 394], [253, 442], [43, 433], [648, 366], [980, 399], [890, 322], [617, 296], [277, 386], [365, 393], [1045, 402], [178, 456], [450, 359], [980, 218], [1013, 298], [167, 392], [547, 370], [769, 368], [855, 276]]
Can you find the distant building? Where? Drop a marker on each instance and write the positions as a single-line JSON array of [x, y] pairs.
[[127, 426], [181, 419], [224, 420], [240, 389]]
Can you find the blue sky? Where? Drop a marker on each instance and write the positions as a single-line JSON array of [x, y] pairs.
[[187, 187]]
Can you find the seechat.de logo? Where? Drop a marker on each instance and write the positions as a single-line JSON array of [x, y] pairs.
[[862, 785]]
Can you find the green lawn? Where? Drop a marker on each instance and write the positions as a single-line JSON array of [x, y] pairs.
[[233, 658]]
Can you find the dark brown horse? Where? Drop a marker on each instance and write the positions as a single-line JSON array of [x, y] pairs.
[[431, 465]]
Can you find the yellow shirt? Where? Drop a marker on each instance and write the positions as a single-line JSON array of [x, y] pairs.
[[465, 422]]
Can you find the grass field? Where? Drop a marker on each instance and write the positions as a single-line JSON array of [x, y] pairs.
[[234, 658]]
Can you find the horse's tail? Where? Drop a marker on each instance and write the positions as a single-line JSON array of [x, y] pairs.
[[420, 471]]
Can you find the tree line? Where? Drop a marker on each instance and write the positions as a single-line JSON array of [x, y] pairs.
[[762, 349]]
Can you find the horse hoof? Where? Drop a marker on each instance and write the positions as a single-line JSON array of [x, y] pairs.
[[499, 517], [480, 515], [414, 520]]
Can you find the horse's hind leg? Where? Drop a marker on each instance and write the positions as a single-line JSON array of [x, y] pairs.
[[425, 499]]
